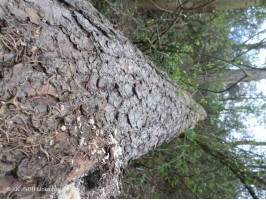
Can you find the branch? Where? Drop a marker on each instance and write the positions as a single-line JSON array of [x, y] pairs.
[[201, 6], [232, 62], [247, 142], [235, 168], [241, 98], [222, 91], [250, 47], [163, 9], [254, 35]]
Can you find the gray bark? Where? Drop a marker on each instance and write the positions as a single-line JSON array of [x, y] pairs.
[[232, 76], [78, 101]]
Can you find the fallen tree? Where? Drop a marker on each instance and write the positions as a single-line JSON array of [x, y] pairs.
[[78, 102]]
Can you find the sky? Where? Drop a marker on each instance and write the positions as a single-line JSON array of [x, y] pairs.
[[259, 130], [255, 129]]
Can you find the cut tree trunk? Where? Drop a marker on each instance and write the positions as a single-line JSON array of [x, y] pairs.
[[78, 102]]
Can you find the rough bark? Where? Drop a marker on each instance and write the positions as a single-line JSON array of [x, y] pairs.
[[190, 6], [233, 76], [78, 101]]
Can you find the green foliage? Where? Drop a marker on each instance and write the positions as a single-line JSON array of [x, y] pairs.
[[190, 134], [140, 179], [174, 50], [201, 163], [103, 7]]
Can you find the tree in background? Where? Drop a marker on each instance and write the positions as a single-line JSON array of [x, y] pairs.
[[195, 6]]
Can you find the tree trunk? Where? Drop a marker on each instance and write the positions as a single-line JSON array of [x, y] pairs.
[[78, 102], [232, 76], [202, 6]]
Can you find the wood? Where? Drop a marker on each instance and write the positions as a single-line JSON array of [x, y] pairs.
[[232, 76], [90, 99], [214, 5]]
